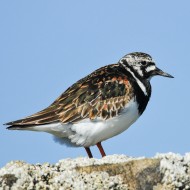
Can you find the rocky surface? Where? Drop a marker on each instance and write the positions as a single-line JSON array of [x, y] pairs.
[[164, 171]]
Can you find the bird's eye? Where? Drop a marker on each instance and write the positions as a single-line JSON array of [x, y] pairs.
[[143, 63]]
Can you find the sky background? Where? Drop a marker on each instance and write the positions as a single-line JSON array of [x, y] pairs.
[[46, 46]]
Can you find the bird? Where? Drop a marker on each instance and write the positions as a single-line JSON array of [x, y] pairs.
[[99, 106]]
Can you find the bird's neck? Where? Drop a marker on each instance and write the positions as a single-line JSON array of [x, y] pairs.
[[141, 98], [142, 89]]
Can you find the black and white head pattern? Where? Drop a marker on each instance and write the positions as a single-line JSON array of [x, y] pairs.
[[141, 65]]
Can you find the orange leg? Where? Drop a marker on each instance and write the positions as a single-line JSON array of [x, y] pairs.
[[101, 149], [88, 152]]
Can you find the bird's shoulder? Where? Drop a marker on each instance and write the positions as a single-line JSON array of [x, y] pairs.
[[102, 94]]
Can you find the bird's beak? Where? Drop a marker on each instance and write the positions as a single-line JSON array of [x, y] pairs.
[[158, 71]]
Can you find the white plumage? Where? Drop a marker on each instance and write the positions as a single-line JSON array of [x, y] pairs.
[[89, 132]]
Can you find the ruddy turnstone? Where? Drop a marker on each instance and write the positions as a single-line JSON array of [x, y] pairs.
[[99, 106]]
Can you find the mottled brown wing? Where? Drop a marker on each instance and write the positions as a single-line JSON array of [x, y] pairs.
[[45, 116], [101, 94]]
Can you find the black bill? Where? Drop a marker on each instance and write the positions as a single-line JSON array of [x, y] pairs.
[[162, 73]]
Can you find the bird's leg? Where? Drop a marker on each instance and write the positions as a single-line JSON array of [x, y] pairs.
[[101, 149], [88, 152]]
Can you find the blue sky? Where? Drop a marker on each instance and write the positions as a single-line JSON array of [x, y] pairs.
[[46, 46]]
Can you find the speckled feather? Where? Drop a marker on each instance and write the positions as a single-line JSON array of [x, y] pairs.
[[101, 94], [99, 106]]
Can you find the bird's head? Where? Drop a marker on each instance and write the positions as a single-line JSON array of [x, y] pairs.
[[142, 66]]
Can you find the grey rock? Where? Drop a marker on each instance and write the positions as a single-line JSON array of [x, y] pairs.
[[164, 171]]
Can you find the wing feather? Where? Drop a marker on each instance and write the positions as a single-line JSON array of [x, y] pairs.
[[101, 94]]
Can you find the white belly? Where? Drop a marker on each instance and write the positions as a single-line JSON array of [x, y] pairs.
[[87, 132]]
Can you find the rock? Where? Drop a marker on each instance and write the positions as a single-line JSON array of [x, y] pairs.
[[163, 172]]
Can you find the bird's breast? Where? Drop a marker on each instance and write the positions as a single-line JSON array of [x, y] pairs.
[[90, 132]]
